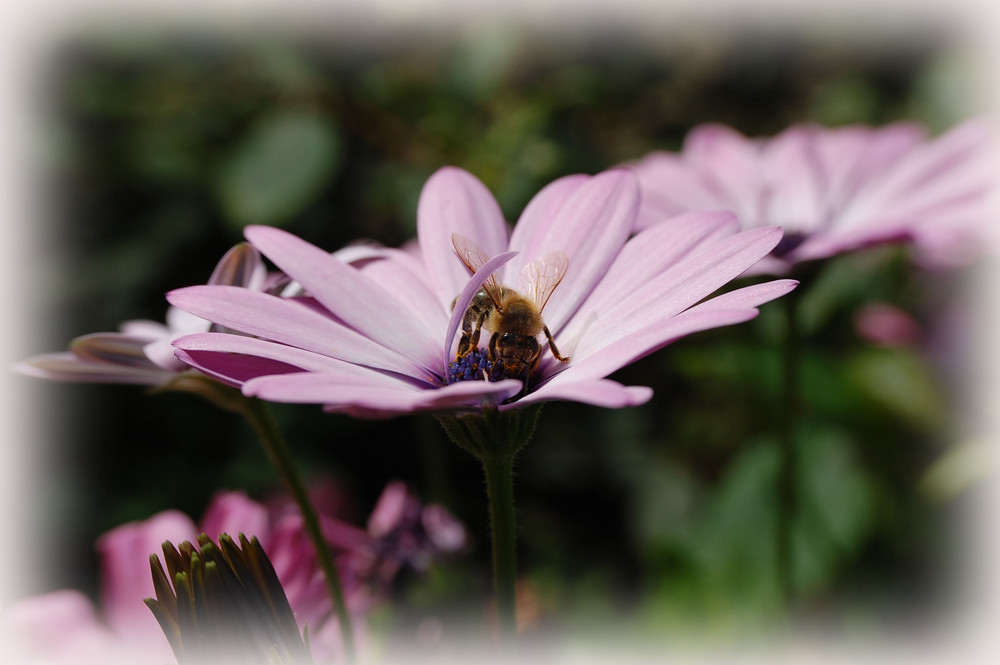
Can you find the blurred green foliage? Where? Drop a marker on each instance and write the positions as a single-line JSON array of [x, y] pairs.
[[161, 146]]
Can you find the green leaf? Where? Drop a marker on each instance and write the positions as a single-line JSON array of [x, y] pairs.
[[837, 504], [278, 168], [902, 382], [960, 468]]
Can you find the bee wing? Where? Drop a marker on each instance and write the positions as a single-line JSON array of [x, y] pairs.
[[541, 277], [473, 256]]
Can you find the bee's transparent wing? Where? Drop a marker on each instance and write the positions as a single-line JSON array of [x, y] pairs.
[[473, 256], [541, 277]]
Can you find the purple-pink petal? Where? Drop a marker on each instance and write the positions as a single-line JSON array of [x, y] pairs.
[[591, 227], [455, 201], [65, 366], [288, 322], [594, 363], [375, 392], [111, 348], [404, 275], [748, 296], [469, 395], [654, 250], [597, 392], [672, 291], [728, 161], [670, 187], [612, 354], [236, 358], [536, 218], [240, 266], [345, 291], [822, 246]]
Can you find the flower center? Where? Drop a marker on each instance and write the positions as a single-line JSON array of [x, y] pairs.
[[473, 366]]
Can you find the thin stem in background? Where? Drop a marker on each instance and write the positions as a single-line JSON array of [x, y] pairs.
[[788, 417], [260, 417]]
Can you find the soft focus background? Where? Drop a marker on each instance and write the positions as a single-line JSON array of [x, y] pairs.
[[157, 145]]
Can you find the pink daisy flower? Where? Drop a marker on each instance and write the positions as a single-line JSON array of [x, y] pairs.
[[141, 352], [835, 190], [379, 338]]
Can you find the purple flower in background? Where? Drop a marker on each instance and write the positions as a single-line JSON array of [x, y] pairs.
[[141, 351], [380, 338], [403, 534], [63, 627], [835, 190]]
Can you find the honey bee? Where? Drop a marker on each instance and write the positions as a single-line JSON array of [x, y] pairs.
[[513, 317]]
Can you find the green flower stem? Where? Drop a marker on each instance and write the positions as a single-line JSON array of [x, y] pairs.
[[789, 407], [500, 492], [260, 417], [495, 438]]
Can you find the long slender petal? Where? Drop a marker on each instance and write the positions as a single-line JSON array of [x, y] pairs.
[[288, 322], [375, 393], [455, 201], [537, 216], [66, 366], [405, 276], [650, 252], [669, 187], [599, 392], [733, 307], [591, 226], [673, 291], [594, 363], [345, 291], [235, 359]]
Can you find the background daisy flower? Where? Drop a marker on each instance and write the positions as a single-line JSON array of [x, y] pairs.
[[834, 190]]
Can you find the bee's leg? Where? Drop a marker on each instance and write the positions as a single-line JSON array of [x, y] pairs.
[[463, 344], [468, 342], [552, 345], [470, 338], [474, 340], [534, 361], [493, 347]]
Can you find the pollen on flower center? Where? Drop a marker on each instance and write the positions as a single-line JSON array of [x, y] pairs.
[[473, 366]]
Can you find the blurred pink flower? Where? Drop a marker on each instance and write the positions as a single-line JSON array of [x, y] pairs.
[[63, 627], [404, 533], [835, 190], [377, 339], [886, 325]]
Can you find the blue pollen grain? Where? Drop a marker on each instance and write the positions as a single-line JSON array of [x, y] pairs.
[[474, 366]]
